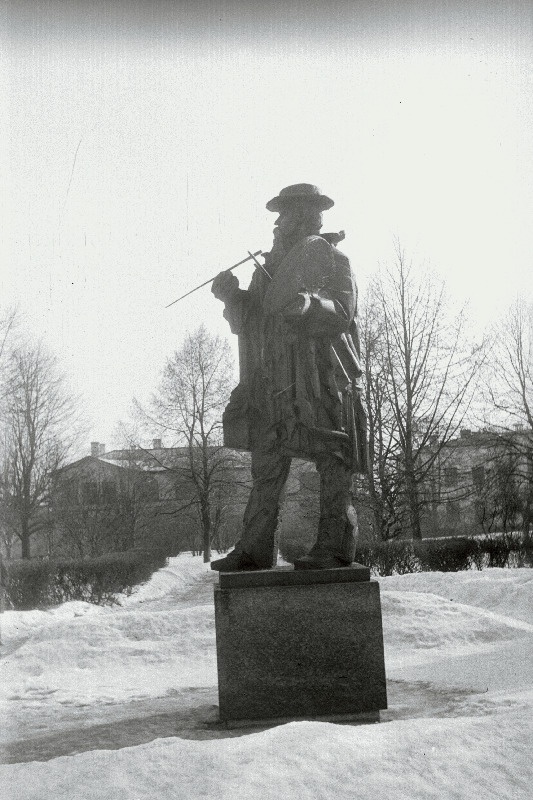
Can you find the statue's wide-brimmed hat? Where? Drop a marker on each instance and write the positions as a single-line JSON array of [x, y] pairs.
[[298, 192]]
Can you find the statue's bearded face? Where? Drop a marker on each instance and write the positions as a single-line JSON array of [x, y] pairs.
[[288, 220], [298, 219]]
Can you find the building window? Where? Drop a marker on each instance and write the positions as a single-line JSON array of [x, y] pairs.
[[478, 476], [453, 512], [150, 490], [109, 493], [90, 492], [451, 476]]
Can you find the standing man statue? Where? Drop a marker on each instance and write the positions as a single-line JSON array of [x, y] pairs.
[[299, 390]]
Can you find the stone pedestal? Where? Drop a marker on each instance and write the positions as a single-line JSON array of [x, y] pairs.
[[299, 644]]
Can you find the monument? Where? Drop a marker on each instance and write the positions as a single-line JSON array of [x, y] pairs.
[[303, 642]]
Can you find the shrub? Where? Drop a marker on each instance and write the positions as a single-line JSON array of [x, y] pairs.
[[446, 555], [41, 584], [498, 549], [509, 549], [526, 552], [28, 584], [519, 549], [388, 558], [478, 556]]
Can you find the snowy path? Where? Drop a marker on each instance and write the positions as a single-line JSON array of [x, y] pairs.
[[38, 724], [191, 715], [136, 680]]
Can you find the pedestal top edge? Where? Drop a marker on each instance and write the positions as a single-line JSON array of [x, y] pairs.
[[288, 576]]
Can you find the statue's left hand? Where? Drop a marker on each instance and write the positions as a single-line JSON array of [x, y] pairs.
[[320, 314], [297, 307]]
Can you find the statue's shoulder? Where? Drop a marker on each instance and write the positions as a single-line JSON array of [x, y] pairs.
[[320, 248], [310, 260], [312, 246], [341, 259]]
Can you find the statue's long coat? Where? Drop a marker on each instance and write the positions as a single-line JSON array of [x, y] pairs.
[[299, 378]]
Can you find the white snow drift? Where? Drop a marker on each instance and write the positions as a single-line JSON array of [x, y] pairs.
[[459, 658]]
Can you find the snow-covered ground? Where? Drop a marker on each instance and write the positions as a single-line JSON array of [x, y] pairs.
[[121, 703]]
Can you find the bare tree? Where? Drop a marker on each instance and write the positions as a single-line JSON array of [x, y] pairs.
[[8, 523], [39, 416], [382, 479], [510, 368], [195, 387], [8, 322], [418, 390], [509, 396]]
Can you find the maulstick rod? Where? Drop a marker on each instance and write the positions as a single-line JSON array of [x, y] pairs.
[[248, 258]]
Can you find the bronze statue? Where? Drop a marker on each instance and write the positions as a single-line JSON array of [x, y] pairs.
[[299, 390]]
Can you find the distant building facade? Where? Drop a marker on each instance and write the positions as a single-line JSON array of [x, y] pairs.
[[481, 482], [142, 497]]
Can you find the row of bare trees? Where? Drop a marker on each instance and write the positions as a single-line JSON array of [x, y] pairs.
[[38, 424], [508, 403], [420, 379], [425, 379]]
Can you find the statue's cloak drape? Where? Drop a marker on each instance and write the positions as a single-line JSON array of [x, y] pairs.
[[299, 376]]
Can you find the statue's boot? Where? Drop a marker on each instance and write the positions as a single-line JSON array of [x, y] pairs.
[[236, 561]]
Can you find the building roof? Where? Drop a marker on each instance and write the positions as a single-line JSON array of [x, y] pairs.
[[150, 460], [486, 438]]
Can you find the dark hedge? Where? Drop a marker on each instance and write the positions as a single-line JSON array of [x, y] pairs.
[[447, 555], [399, 556], [41, 584]]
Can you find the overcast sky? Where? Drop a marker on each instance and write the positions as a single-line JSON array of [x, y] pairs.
[[140, 142]]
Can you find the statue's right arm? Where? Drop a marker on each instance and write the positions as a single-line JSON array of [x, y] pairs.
[[226, 288]]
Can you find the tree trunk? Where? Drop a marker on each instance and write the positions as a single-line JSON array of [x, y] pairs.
[[434, 509], [413, 507], [206, 529], [528, 503], [377, 511], [25, 539], [525, 519], [415, 520], [207, 546]]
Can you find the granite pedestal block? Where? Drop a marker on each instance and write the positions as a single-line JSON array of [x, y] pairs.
[[299, 644]]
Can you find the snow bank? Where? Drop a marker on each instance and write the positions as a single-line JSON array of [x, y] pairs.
[[114, 657], [417, 621], [417, 759], [503, 591], [19, 625]]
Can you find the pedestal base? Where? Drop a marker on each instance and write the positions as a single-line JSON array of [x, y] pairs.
[[305, 644]]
